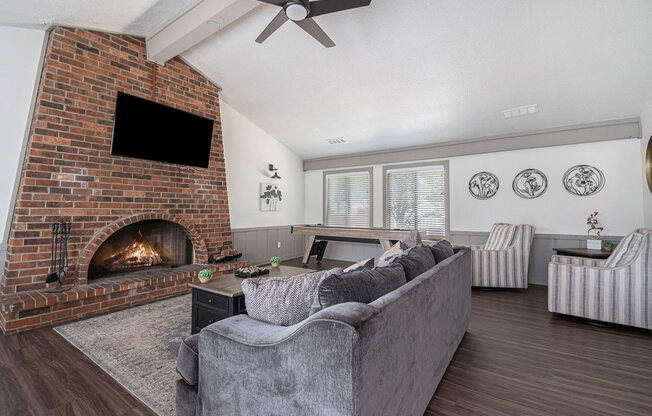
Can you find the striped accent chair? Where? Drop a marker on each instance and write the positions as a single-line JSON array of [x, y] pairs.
[[617, 290], [503, 260]]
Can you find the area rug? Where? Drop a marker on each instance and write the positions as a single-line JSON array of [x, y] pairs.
[[137, 347]]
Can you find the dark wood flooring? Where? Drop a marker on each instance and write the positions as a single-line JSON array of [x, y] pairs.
[[516, 359]]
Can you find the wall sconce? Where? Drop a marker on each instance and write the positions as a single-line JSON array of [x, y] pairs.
[[275, 170]]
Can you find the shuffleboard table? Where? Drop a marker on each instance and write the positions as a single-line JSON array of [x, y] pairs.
[[319, 235]]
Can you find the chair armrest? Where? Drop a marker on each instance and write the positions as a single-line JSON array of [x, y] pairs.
[[307, 368], [484, 250], [246, 330], [580, 261], [554, 270]]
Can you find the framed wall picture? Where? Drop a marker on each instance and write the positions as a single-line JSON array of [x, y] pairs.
[[271, 197]]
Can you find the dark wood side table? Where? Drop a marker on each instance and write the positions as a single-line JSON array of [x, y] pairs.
[[222, 297], [583, 252]]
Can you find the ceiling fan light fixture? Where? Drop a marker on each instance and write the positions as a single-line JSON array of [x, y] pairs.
[[296, 11], [301, 12]]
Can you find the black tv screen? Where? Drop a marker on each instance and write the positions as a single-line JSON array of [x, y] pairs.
[[147, 130]]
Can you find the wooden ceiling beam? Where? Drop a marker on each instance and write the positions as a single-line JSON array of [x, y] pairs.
[[194, 24]]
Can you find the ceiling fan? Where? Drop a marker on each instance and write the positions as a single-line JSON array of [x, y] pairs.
[[301, 12]]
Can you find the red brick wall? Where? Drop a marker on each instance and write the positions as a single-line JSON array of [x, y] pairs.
[[69, 172]]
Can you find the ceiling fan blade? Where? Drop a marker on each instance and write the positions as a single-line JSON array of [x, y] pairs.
[[276, 22], [274, 2], [315, 31], [321, 7]]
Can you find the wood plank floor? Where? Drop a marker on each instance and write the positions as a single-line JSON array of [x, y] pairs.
[[516, 359]]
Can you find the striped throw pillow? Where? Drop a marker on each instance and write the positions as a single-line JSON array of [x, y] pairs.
[[626, 251], [500, 237]]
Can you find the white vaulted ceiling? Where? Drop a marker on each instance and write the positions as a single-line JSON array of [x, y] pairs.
[[135, 17], [409, 72]]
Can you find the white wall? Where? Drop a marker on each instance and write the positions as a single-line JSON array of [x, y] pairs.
[[247, 152], [646, 128], [556, 212], [21, 52]]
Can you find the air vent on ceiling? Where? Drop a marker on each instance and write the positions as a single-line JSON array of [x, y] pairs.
[[521, 111], [338, 140]]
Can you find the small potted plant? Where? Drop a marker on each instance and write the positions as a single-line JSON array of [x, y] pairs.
[[275, 261], [608, 246], [205, 276]]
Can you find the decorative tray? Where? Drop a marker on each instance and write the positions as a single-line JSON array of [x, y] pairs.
[[251, 271]]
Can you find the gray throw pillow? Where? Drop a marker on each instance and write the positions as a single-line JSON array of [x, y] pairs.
[[364, 264], [282, 300], [415, 261], [363, 286], [441, 250], [412, 240], [384, 258]]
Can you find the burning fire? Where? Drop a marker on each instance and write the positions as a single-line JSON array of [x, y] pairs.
[[138, 254], [142, 254]]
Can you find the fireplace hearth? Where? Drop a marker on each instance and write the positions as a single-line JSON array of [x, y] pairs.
[[142, 245]]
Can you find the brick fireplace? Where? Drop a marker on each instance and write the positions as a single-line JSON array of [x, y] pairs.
[[179, 212]]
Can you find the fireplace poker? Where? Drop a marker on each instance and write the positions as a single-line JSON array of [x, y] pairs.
[[52, 276], [61, 261]]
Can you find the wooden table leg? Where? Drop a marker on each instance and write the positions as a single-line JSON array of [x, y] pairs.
[[385, 244], [306, 252]]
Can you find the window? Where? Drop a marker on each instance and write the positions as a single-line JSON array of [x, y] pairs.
[[347, 198], [416, 197]]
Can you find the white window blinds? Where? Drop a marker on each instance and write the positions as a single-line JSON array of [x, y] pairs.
[[348, 199], [416, 199]]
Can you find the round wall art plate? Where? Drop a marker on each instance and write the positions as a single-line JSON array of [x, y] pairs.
[[530, 183], [483, 185], [583, 180]]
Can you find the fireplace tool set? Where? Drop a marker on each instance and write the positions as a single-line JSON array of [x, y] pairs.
[[59, 259]]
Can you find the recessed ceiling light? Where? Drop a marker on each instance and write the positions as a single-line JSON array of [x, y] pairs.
[[337, 140], [521, 111]]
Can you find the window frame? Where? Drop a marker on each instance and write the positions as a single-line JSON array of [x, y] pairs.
[[370, 171], [445, 165]]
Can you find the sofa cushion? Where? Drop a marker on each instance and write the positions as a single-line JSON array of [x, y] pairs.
[[364, 285], [441, 250], [412, 240], [282, 300], [188, 359], [364, 264], [415, 261], [395, 250], [500, 237]]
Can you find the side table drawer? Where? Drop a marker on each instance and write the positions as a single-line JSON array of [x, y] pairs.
[[214, 301], [206, 317]]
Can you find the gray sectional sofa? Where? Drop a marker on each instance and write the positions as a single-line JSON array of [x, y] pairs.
[[382, 358]]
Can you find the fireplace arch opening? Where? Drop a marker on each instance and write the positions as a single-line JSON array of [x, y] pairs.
[[142, 245]]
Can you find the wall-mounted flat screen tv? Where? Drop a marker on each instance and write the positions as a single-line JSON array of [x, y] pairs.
[[147, 130]]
